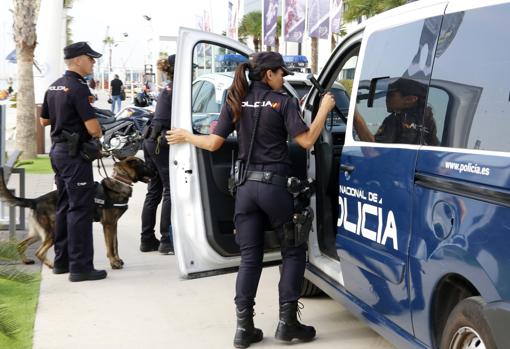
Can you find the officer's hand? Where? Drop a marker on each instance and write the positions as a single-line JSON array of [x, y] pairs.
[[327, 102], [177, 136]]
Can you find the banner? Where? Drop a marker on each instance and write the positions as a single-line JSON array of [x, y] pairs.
[[294, 20], [318, 19], [232, 19], [336, 15], [269, 21]]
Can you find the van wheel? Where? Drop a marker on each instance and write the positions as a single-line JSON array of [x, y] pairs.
[[308, 289], [467, 327]]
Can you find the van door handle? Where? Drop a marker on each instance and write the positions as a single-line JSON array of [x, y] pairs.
[[346, 168]]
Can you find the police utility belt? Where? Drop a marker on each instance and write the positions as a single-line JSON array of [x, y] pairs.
[[89, 150], [267, 177], [154, 131]]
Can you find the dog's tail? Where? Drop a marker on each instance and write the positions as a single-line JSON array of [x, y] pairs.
[[9, 198]]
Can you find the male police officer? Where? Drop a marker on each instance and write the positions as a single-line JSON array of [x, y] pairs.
[[67, 109]]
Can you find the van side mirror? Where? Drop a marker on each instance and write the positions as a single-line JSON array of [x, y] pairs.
[[372, 89]]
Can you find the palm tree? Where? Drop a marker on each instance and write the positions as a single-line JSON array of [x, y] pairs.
[[358, 8], [251, 25], [8, 252], [315, 55], [25, 17], [109, 41]]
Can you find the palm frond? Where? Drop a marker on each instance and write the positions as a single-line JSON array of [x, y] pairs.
[[13, 274], [8, 326]]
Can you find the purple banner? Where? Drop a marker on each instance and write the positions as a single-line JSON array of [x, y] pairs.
[[294, 20], [232, 19], [269, 20], [318, 19], [336, 15]]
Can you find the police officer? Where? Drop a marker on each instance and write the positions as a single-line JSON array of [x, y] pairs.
[[67, 108], [156, 150], [264, 195], [411, 121]]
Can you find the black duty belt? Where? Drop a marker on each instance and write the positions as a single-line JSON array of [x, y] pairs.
[[267, 177]]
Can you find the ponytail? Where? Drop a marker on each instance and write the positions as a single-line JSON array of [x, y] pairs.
[[238, 90]]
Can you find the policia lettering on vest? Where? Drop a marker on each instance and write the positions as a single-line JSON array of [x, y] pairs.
[[74, 133], [262, 196]]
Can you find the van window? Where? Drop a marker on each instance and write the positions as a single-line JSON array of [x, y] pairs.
[[472, 66], [394, 84]]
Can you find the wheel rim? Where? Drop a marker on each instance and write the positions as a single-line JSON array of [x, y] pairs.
[[466, 338]]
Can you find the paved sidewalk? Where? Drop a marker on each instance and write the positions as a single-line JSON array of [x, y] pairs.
[[147, 305]]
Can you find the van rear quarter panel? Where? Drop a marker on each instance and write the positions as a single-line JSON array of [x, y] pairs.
[[456, 232]]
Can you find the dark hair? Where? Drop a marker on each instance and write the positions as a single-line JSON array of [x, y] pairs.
[[240, 86], [166, 68], [92, 84]]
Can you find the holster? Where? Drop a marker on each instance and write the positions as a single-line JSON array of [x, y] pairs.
[[72, 141], [146, 131], [236, 177], [155, 131], [296, 232], [91, 150]]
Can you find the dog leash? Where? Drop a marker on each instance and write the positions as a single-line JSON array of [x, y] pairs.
[[100, 164]]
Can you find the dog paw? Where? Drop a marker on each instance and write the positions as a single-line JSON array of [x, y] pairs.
[[28, 261], [116, 264], [121, 261]]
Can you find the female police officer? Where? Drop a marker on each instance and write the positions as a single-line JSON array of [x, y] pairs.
[[256, 199], [155, 151]]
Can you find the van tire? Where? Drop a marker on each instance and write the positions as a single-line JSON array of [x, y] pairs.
[[308, 289], [467, 323]]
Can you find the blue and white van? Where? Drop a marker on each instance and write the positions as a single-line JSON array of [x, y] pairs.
[[412, 237]]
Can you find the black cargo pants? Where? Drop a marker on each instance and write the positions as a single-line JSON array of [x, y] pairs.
[[256, 203], [75, 210], [156, 156]]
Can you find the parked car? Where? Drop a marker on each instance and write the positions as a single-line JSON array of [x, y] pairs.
[[411, 236], [209, 92]]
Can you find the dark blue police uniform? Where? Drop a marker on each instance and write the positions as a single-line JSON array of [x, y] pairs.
[[155, 148], [67, 106], [255, 200]]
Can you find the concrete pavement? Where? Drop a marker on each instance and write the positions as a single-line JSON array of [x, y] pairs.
[[147, 305]]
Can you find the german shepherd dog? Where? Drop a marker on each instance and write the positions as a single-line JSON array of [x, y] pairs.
[[116, 189]]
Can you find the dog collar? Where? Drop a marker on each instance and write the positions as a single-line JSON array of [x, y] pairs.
[[123, 179]]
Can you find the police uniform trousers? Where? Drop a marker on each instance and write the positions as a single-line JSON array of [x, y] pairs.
[[75, 208], [256, 204], [156, 156]]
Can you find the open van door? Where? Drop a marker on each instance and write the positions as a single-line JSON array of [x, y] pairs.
[[202, 209]]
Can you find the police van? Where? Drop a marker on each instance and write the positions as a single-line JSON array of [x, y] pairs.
[[411, 235]]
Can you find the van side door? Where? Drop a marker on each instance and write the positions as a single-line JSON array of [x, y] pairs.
[[379, 157]]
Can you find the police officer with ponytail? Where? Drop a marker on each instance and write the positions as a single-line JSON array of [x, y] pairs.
[[264, 195], [155, 149]]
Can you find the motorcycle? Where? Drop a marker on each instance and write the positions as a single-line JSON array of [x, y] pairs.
[[122, 133]]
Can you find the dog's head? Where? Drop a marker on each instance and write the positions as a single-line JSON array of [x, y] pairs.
[[134, 169]]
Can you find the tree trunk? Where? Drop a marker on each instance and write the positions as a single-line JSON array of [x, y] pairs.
[[333, 42], [256, 43], [315, 55], [277, 44], [25, 14]]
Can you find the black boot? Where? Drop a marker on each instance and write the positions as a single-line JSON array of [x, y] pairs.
[[289, 327], [246, 333]]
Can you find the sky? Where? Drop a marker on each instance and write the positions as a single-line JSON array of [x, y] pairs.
[[92, 17]]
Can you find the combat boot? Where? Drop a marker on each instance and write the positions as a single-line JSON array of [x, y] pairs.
[[289, 327], [246, 333]]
